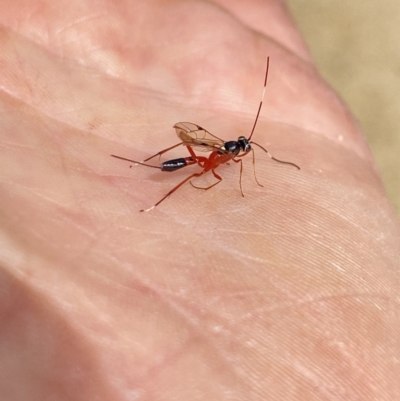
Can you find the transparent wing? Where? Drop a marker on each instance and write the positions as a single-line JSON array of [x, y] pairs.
[[198, 137]]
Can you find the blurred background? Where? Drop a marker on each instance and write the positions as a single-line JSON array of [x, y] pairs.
[[356, 46]]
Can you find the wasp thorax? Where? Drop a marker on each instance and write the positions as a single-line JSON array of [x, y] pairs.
[[231, 147]]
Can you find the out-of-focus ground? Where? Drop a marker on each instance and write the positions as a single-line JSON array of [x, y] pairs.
[[356, 46]]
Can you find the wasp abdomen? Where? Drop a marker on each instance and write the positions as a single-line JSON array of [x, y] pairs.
[[176, 164]]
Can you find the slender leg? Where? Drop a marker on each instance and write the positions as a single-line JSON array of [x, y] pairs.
[[142, 163], [254, 168], [136, 162], [213, 185], [200, 160], [162, 152], [174, 189], [241, 168], [240, 178], [241, 171]]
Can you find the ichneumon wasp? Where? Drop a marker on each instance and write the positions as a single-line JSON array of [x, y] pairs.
[[195, 137]]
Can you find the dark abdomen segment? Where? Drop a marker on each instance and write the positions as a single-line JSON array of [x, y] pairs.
[[176, 164]]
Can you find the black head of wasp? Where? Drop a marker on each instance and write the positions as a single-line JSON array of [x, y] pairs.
[[193, 136]]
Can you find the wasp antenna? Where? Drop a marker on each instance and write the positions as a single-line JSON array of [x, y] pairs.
[[147, 210], [285, 162], [274, 158], [136, 163], [262, 99]]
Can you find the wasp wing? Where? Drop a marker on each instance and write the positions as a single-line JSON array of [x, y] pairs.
[[196, 136]]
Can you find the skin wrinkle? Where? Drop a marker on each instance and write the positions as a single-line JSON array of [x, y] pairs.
[[53, 116], [193, 323], [311, 256], [342, 259], [56, 34], [334, 390], [38, 193], [22, 296], [295, 304], [11, 145], [39, 114], [78, 21], [168, 294], [327, 392], [290, 365], [329, 212], [206, 336]]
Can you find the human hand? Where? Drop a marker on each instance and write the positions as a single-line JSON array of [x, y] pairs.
[[287, 294]]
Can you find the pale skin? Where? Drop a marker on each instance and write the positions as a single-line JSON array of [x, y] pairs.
[[290, 293]]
